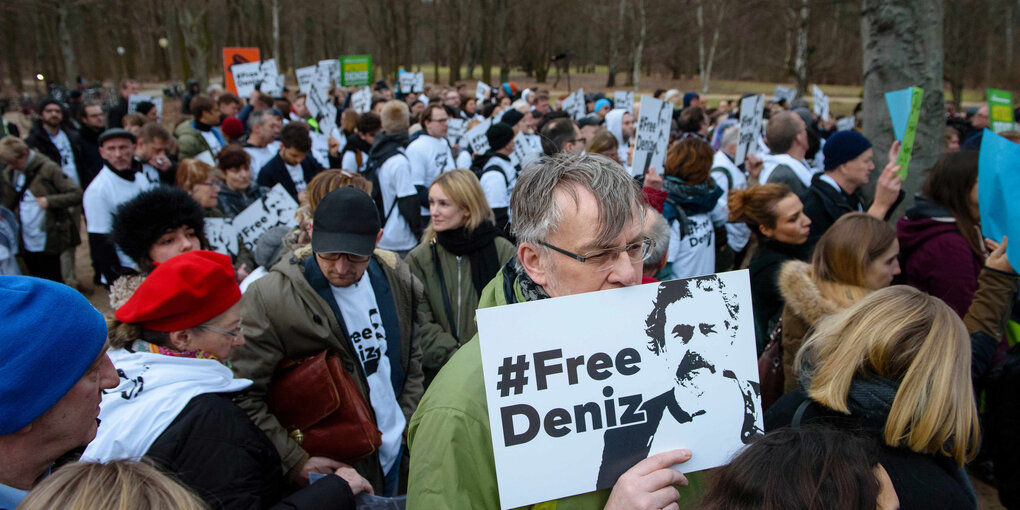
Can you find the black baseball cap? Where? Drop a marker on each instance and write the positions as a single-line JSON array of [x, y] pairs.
[[346, 221]]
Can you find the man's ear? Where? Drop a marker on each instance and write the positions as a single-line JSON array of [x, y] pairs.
[[180, 340], [378, 238], [530, 258]]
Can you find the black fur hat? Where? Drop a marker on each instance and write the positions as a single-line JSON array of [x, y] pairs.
[[141, 221]]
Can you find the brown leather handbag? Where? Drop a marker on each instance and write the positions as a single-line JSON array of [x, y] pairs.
[[320, 404]]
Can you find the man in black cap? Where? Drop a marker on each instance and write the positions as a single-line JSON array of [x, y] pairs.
[[354, 300], [118, 182], [496, 172]]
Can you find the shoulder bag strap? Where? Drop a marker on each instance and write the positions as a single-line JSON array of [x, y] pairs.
[[450, 319]]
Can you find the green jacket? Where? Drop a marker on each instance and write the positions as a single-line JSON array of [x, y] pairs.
[[63, 197], [462, 295], [190, 142], [282, 317], [452, 464]]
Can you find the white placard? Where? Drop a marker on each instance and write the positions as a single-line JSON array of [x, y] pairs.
[[846, 123], [821, 103], [476, 137], [624, 100], [574, 104], [361, 101], [787, 93], [482, 91], [135, 99], [305, 77], [318, 96], [455, 130], [752, 108], [407, 81], [270, 83], [652, 133], [327, 122], [332, 67], [581, 388], [246, 77], [276, 208], [527, 148], [419, 83]]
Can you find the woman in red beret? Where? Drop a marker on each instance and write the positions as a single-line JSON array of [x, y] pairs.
[[171, 344]]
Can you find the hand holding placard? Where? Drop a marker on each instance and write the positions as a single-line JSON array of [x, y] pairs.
[[905, 110], [998, 180]]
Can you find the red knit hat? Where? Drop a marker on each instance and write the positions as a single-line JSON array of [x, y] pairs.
[[183, 292], [232, 127]]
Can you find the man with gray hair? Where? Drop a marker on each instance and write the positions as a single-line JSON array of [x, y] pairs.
[[577, 219], [262, 144], [787, 138], [655, 227], [728, 176]]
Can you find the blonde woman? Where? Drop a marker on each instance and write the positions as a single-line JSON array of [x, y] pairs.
[[460, 252], [119, 484], [857, 255], [897, 366]]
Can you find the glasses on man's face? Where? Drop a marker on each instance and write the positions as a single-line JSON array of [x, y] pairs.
[[603, 260], [333, 257], [232, 334]]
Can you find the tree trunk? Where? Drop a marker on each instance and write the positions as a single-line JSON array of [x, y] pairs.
[[614, 44], [902, 43], [276, 33], [66, 46], [486, 45], [800, 65], [640, 48]]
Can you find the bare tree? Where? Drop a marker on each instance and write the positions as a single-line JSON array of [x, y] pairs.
[[615, 41], [640, 47], [705, 61]]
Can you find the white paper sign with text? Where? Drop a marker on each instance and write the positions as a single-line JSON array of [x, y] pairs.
[[246, 77], [624, 100], [652, 132], [574, 104], [476, 137], [276, 208], [305, 77], [752, 108], [482, 91], [821, 103], [361, 101], [581, 388]]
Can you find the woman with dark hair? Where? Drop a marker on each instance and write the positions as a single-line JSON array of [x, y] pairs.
[[940, 237], [776, 217], [692, 208], [239, 190], [822, 467], [355, 153]]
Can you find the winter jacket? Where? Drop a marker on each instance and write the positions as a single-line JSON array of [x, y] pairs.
[[60, 191], [285, 316], [275, 172], [922, 481], [452, 464], [214, 449], [806, 304], [767, 301], [39, 139], [935, 256], [231, 202], [190, 142], [825, 204], [462, 295], [91, 161]]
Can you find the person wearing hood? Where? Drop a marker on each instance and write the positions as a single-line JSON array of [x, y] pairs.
[[200, 138], [620, 123], [393, 190], [171, 345], [496, 173], [837, 191], [940, 235], [359, 144], [692, 208]]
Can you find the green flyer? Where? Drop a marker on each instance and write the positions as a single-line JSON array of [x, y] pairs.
[[1000, 110], [356, 70]]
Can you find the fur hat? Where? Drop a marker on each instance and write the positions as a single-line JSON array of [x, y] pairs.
[[141, 221]]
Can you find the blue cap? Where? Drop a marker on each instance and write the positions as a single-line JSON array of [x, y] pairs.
[[601, 103], [842, 147], [50, 337]]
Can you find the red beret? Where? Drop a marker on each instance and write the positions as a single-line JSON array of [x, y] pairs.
[[183, 292]]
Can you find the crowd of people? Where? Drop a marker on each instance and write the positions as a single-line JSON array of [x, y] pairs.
[[339, 358]]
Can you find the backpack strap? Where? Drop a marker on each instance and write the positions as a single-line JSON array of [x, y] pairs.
[[495, 168], [798, 415], [729, 176]]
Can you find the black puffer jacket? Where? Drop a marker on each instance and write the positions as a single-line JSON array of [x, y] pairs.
[[215, 449]]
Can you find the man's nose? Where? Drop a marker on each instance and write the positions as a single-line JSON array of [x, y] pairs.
[[624, 270]]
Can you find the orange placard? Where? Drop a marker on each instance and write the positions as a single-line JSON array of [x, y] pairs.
[[234, 56]]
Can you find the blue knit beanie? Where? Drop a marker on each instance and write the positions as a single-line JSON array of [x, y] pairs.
[[842, 147], [602, 103], [50, 337], [690, 96]]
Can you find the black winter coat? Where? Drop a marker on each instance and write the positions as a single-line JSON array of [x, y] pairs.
[[766, 299], [91, 162], [825, 204], [275, 171], [39, 140], [215, 449]]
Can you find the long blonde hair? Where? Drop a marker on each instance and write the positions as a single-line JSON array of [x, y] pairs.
[[116, 485], [904, 335], [462, 188]]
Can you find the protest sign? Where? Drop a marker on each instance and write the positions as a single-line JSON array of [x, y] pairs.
[[787, 93], [904, 110], [332, 68], [998, 179], [581, 388], [419, 83], [361, 101], [652, 132], [232, 57], [406, 82], [574, 104], [846, 123], [482, 91], [226, 235], [246, 77], [455, 130], [355, 70], [476, 137], [1000, 110], [318, 98], [527, 148], [135, 99], [270, 82], [752, 108], [305, 77], [623, 101], [821, 103]]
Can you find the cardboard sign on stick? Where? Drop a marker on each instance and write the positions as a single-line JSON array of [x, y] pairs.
[[574, 104], [581, 388], [998, 179], [652, 131], [246, 77], [905, 110], [482, 91], [751, 110], [276, 208], [624, 100]]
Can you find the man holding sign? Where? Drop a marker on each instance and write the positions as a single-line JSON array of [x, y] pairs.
[[564, 206]]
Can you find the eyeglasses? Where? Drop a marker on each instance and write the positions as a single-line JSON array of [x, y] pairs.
[[333, 257], [603, 260], [232, 334]]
